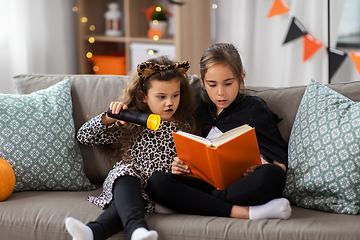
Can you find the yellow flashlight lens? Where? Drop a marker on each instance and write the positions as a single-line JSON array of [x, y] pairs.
[[153, 122]]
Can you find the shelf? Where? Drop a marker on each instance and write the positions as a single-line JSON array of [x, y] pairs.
[[148, 40], [191, 30], [103, 38]]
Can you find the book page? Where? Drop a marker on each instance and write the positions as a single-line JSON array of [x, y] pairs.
[[194, 137], [225, 137]]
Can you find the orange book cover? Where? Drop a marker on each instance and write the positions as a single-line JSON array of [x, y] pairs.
[[222, 162]]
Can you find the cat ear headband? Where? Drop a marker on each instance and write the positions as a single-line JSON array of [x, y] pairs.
[[147, 69]]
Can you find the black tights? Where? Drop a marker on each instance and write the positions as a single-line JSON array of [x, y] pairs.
[[190, 195], [126, 210]]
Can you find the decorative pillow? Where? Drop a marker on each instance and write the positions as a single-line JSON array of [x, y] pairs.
[[324, 152], [37, 137]]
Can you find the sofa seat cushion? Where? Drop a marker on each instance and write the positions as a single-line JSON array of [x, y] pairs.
[[303, 224], [41, 214], [37, 215]]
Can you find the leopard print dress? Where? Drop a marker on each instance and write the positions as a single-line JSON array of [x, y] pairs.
[[152, 152]]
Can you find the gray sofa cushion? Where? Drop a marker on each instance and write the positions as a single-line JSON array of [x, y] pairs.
[[40, 214], [285, 101]]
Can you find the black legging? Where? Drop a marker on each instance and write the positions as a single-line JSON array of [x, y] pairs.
[[126, 210], [190, 195]]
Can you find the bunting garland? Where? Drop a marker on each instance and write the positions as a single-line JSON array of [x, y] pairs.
[[296, 30], [355, 56], [279, 7], [311, 44], [337, 57]]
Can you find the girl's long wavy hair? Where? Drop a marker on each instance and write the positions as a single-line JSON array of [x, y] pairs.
[[133, 96], [224, 54]]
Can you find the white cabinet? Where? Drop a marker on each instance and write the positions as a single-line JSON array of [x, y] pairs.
[[141, 52]]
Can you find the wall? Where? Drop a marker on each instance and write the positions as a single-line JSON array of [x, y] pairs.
[[36, 36]]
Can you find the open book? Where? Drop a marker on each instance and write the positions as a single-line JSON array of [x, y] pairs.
[[222, 162]]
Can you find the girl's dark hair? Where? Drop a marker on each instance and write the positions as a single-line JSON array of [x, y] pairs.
[[224, 54], [133, 96]]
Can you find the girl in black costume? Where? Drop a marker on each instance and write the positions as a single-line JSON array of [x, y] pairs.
[[258, 194]]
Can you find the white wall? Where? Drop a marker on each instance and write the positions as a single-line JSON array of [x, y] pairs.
[[6, 85], [36, 36]]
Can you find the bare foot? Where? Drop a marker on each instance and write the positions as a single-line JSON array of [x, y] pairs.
[[239, 212]]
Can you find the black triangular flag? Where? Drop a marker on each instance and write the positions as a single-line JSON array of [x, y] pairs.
[[336, 58], [296, 30]]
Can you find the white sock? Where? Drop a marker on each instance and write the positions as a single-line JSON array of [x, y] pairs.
[[276, 208], [78, 230], [144, 234]]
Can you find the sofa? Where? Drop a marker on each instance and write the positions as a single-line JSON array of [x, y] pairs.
[[40, 214]]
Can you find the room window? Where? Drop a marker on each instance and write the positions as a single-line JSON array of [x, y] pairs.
[[349, 31]]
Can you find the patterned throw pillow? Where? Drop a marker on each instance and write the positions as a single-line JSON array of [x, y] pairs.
[[37, 137], [324, 152]]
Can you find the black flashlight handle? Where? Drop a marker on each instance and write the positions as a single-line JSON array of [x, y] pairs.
[[130, 116]]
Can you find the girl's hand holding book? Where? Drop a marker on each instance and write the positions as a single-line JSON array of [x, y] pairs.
[[178, 167], [250, 170]]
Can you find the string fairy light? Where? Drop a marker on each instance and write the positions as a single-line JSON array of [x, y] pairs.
[[91, 40], [92, 28], [89, 54]]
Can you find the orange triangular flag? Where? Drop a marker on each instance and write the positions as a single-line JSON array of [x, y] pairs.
[[311, 45], [278, 7], [355, 56]]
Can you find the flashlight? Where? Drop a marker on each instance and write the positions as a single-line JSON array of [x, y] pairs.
[[151, 121]]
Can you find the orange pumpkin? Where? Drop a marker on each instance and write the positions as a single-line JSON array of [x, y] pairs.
[[7, 180]]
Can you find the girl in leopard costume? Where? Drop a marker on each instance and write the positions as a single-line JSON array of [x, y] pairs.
[[136, 152]]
